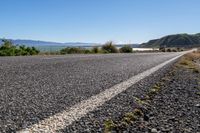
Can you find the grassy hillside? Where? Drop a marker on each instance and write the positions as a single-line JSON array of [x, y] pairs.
[[178, 40]]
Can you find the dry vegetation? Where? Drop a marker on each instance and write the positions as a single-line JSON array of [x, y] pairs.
[[191, 61], [127, 119]]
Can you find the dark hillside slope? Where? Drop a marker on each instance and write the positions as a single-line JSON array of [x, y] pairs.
[[178, 40]]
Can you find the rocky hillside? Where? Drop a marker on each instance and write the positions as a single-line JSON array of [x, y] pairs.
[[178, 40]]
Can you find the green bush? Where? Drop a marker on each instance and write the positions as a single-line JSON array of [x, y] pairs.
[[126, 49], [109, 47], [95, 50], [174, 50], [162, 49], [74, 50], [64, 51], [169, 50], [87, 51], [8, 49]]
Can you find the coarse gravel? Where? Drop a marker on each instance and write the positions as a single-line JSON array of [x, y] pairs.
[[34, 88], [115, 109], [175, 108]]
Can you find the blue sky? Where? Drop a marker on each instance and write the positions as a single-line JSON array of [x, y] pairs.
[[123, 21]]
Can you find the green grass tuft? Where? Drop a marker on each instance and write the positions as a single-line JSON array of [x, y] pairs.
[[109, 126]]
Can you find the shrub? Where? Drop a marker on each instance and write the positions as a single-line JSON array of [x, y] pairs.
[[109, 48], [162, 49], [126, 49], [64, 50], [95, 50], [87, 51], [74, 50], [169, 50], [174, 50], [34, 51], [8, 49]]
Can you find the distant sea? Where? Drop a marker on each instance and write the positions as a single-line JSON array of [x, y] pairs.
[[56, 48], [50, 48]]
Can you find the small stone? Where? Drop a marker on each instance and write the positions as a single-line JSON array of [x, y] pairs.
[[146, 117], [197, 105], [173, 119], [153, 130], [165, 129]]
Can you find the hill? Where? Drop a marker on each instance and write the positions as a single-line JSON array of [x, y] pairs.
[[178, 40]]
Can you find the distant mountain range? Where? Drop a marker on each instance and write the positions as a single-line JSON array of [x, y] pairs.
[[178, 40], [46, 43], [47, 46]]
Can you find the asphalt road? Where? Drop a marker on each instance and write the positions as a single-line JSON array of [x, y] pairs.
[[34, 88]]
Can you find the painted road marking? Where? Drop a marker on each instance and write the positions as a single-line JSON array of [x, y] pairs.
[[67, 117]]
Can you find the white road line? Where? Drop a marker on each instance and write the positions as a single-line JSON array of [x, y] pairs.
[[66, 117]]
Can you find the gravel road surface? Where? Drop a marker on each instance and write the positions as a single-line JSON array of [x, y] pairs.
[[34, 88]]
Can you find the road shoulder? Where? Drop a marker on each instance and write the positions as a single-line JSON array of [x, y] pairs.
[[171, 105], [166, 101]]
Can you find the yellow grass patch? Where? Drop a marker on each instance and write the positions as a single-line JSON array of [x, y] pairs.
[[188, 61]]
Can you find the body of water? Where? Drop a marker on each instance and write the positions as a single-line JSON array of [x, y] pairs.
[[58, 48]]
